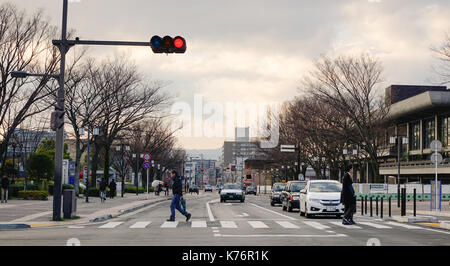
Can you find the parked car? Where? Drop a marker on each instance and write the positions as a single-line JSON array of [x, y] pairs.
[[290, 196], [232, 191], [251, 190], [275, 194], [321, 197], [209, 188], [193, 189]]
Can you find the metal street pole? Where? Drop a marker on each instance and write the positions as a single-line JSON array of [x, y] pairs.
[[147, 183], [399, 141], [59, 143], [137, 173], [88, 159]]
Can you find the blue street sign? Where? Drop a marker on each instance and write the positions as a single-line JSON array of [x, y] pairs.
[[146, 165]]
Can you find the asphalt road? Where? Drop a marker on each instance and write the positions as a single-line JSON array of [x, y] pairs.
[[252, 223]]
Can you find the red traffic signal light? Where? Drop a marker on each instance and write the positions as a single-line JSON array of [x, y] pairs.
[[168, 44]]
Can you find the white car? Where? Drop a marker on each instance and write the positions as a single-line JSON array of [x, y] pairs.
[[232, 192], [321, 197]]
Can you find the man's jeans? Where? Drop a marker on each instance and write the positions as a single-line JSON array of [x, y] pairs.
[[4, 194], [176, 203]]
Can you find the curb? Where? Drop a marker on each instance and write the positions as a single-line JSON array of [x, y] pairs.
[[417, 219], [111, 216], [14, 226]]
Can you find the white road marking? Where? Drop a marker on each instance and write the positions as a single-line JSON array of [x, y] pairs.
[[407, 226], [317, 225], [168, 224], [378, 226], [308, 236], [111, 225], [140, 225], [228, 224], [331, 232], [216, 231], [290, 218], [75, 227], [346, 226], [208, 208], [257, 224], [243, 215], [217, 235], [287, 224], [31, 217], [215, 228], [198, 224]]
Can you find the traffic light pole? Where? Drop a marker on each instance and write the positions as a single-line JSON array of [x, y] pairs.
[[64, 45]]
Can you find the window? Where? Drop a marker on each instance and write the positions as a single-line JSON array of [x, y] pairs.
[[414, 136], [428, 133], [444, 132]]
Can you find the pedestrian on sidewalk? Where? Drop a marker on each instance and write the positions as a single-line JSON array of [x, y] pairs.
[[348, 197], [5, 186], [177, 190], [166, 189], [103, 185], [112, 189]]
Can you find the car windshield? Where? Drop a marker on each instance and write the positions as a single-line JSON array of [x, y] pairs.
[[231, 186], [278, 187], [296, 187], [325, 187]]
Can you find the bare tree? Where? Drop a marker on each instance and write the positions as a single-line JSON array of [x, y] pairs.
[[25, 45], [349, 86], [443, 53]]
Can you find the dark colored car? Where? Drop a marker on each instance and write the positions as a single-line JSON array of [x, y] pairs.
[[290, 196], [250, 190], [275, 194], [193, 189]]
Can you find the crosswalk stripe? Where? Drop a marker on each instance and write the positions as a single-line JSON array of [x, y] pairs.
[[286, 224], [198, 224], [111, 225], [257, 224], [228, 224], [407, 226], [378, 226], [317, 225], [346, 226], [140, 225], [168, 224]]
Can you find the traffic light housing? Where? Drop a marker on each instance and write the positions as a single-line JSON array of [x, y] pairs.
[[168, 45], [56, 120]]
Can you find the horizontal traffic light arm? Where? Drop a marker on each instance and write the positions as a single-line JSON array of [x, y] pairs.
[[107, 43]]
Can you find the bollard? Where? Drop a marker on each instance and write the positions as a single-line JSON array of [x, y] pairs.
[[376, 205], [403, 207], [381, 211], [414, 200], [389, 205], [366, 204], [362, 206], [371, 206]]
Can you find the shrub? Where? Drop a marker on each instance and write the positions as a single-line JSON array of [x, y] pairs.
[[130, 189], [33, 195], [94, 192]]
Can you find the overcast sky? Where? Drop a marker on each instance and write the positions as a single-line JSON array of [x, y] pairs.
[[258, 50]]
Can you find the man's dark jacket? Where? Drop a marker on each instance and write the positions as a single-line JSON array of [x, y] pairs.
[[5, 183], [177, 187], [347, 193]]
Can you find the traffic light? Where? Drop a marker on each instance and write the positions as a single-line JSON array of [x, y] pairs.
[[56, 120], [168, 44]]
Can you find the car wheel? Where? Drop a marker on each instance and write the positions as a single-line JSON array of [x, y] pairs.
[[242, 200], [271, 203]]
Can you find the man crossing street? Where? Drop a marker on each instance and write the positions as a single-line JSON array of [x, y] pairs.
[[176, 198]]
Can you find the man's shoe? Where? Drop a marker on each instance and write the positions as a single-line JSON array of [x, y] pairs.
[[188, 217], [352, 222], [345, 222], [171, 219]]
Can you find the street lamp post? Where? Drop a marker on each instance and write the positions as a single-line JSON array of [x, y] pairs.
[[400, 140]]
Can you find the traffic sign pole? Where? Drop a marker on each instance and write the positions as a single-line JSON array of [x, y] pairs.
[[147, 183]]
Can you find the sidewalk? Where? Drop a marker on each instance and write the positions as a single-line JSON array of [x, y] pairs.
[[39, 213]]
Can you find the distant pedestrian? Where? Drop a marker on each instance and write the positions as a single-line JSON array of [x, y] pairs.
[[348, 197], [177, 190], [166, 189], [103, 185], [5, 186], [112, 189]]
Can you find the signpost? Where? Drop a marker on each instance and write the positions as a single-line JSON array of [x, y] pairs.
[[436, 158], [146, 165]]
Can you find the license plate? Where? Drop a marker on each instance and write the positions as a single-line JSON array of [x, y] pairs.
[[331, 209]]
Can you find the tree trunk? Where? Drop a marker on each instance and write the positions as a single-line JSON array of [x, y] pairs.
[[107, 161]]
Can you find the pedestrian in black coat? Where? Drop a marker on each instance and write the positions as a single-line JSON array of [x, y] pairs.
[[348, 197], [112, 189]]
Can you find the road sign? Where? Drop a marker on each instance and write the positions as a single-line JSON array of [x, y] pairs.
[[436, 158], [147, 157], [146, 165], [436, 145], [287, 148]]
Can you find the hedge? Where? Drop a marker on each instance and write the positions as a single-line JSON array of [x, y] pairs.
[[33, 195], [95, 192], [13, 190], [132, 189]]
